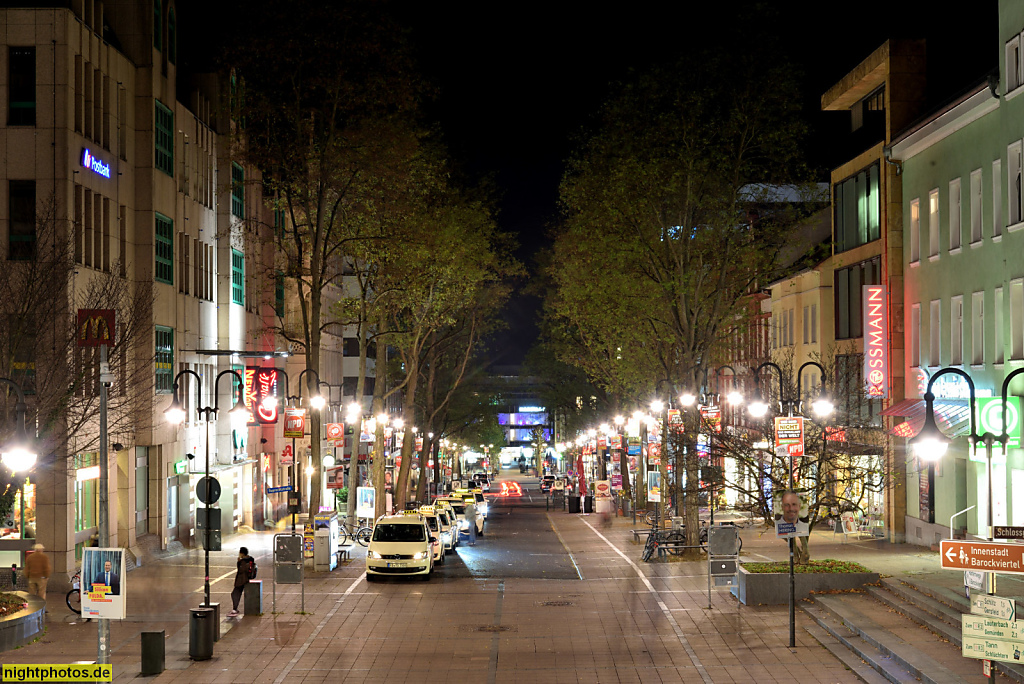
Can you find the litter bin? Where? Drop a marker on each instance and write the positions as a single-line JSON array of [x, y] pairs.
[[253, 596], [200, 633], [678, 523], [588, 504], [574, 504], [153, 652]]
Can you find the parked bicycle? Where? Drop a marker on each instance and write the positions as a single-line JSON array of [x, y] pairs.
[[359, 533], [658, 537], [74, 597]]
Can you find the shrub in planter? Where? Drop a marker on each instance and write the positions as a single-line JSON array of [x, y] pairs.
[[768, 583]]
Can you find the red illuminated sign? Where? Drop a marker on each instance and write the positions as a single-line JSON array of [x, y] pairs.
[[876, 340], [260, 383]]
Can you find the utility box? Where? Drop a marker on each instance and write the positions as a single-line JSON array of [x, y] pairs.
[[325, 547], [678, 523], [723, 541]]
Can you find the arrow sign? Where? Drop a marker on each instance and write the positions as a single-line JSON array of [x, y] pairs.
[[993, 607], [990, 556]]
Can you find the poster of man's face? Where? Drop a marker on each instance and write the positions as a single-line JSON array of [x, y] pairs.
[[791, 513], [102, 578]]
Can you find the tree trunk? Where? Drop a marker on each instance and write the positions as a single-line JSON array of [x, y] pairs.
[[408, 416], [692, 508], [378, 461], [421, 484]]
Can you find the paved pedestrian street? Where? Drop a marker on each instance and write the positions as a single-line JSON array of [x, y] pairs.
[[544, 596]]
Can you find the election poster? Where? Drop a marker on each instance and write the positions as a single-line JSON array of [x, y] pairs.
[[103, 587], [791, 514]]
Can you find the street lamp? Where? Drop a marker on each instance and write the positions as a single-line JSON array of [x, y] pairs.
[[175, 414], [758, 408], [19, 453]]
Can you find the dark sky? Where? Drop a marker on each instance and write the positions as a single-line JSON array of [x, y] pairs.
[[517, 80]]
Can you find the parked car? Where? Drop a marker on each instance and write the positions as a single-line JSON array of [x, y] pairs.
[[400, 545]]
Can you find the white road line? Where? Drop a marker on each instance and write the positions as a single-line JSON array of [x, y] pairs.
[[661, 604], [313, 635], [564, 545]]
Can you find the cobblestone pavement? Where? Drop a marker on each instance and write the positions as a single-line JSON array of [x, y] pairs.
[[545, 596]]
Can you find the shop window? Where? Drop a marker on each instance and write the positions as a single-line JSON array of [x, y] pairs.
[[172, 504]]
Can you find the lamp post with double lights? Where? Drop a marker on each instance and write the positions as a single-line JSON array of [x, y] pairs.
[[175, 414], [316, 401], [822, 407], [930, 444], [19, 454]]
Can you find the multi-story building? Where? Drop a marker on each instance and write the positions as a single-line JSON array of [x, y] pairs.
[[964, 291], [149, 193]]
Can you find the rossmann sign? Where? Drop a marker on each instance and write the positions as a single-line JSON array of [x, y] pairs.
[[876, 340]]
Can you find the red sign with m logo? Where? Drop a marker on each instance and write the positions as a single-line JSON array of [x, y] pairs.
[[95, 327]]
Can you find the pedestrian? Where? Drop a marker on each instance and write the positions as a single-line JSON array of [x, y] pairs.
[[14, 575], [37, 569], [242, 576], [470, 515]]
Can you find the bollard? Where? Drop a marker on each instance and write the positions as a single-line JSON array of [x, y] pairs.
[[216, 618], [153, 652], [253, 597]]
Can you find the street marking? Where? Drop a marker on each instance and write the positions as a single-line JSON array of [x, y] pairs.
[[313, 635], [492, 671], [661, 604], [202, 589], [564, 545]]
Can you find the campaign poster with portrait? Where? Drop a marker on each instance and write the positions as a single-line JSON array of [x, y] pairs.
[[653, 485], [103, 583], [366, 502], [791, 514]]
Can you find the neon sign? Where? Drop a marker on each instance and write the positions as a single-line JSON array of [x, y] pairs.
[[876, 341], [93, 164], [259, 383]]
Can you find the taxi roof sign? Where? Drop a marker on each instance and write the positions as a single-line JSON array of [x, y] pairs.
[[427, 509]]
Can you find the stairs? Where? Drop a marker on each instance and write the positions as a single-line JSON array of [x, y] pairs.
[[903, 631]]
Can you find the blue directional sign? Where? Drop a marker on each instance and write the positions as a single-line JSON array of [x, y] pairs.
[[275, 490]]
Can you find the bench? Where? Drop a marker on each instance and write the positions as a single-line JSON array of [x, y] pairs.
[[638, 533], [343, 554]]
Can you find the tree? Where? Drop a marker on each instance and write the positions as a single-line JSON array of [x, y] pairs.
[[332, 128], [39, 350], [657, 249]]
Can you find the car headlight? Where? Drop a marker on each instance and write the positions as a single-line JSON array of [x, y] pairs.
[[419, 555], [374, 554]]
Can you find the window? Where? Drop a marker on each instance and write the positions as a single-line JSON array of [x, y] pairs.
[[954, 214], [163, 250], [997, 327], [792, 326], [172, 30], [237, 277], [279, 295], [1016, 322], [915, 230], [934, 331], [807, 325], [848, 287], [814, 323], [21, 86], [997, 198], [857, 210], [1013, 171], [915, 336], [956, 330], [158, 24], [238, 191], [164, 137], [978, 328], [1013, 70], [164, 359], [933, 223], [976, 205], [21, 209]]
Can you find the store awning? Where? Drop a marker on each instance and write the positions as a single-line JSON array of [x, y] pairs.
[[952, 416]]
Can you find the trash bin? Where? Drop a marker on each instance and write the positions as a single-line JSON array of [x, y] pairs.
[[253, 596], [200, 633], [153, 652], [678, 523], [574, 504], [588, 504]]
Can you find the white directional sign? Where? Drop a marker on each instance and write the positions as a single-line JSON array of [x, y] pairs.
[[985, 637], [993, 607]]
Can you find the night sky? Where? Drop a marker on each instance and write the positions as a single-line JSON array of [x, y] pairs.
[[518, 81]]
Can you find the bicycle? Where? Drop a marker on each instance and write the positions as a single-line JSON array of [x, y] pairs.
[[657, 537], [361, 533], [74, 597]]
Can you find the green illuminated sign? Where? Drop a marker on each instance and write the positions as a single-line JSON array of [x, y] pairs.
[[181, 467], [990, 418]]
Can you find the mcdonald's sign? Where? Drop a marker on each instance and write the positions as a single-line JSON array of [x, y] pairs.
[[95, 327]]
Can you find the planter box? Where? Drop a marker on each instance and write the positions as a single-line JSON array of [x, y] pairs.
[[772, 588], [22, 627]]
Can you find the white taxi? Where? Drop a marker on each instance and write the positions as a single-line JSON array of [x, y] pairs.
[[400, 545], [434, 525], [449, 524]]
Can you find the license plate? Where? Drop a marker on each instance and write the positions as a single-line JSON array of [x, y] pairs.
[[397, 565]]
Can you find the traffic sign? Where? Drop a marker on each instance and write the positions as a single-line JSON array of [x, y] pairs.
[[991, 556], [993, 607], [276, 490], [1004, 532], [208, 490]]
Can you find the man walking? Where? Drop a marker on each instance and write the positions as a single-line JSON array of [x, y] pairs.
[[242, 577], [37, 569]]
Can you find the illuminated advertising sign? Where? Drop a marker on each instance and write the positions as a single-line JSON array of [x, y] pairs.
[[93, 164], [260, 383], [876, 340], [522, 419], [95, 327]]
